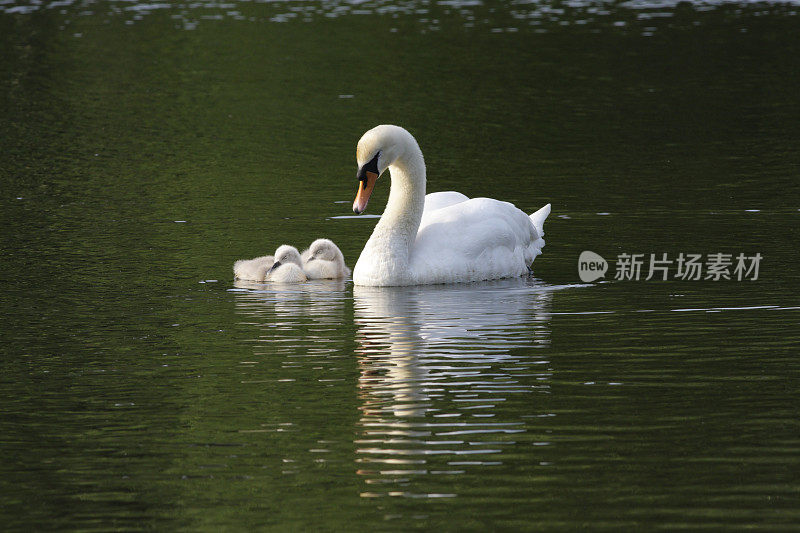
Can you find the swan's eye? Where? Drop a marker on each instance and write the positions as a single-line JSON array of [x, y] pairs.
[[371, 166]]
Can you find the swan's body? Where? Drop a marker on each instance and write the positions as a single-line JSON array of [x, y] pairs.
[[287, 267], [442, 238], [324, 260], [438, 200], [253, 269]]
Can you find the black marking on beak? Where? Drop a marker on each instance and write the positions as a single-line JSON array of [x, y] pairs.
[[275, 265], [371, 166]]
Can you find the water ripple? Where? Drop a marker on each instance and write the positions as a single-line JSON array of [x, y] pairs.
[[642, 16]]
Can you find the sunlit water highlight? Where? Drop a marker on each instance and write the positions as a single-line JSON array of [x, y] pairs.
[[644, 16]]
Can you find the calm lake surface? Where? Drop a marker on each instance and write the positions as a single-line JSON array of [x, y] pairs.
[[145, 147]]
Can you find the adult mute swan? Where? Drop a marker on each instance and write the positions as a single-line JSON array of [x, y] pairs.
[[324, 260], [287, 267], [439, 238]]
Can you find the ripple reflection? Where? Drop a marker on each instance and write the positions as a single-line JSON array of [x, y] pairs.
[[294, 319], [641, 16], [436, 366]]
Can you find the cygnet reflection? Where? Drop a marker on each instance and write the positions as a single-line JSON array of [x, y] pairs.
[[317, 302]]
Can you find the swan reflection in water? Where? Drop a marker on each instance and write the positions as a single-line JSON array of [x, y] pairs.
[[437, 364], [294, 319]]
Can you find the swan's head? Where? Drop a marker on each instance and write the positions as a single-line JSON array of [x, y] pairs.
[[286, 254], [377, 150], [324, 249]]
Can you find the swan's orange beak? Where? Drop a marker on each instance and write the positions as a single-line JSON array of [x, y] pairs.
[[365, 186]]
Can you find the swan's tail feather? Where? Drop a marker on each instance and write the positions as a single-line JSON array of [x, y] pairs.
[[538, 219], [536, 246]]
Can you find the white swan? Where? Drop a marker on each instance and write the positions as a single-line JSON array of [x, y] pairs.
[[253, 269], [442, 238], [324, 260], [287, 267]]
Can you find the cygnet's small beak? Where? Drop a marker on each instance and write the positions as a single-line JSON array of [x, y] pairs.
[[365, 186], [275, 265]]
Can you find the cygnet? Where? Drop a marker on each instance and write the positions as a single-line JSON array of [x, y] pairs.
[[287, 267], [324, 260]]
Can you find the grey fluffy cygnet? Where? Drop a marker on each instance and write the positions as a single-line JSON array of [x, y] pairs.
[[287, 267], [324, 260]]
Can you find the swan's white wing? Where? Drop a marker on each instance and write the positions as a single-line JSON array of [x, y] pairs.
[[438, 200], [480, 238]]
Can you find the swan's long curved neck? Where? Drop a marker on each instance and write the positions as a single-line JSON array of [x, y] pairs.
[[396, 231], [406, 201]]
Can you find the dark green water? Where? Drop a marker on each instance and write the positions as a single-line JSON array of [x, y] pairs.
[[144, 149]]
